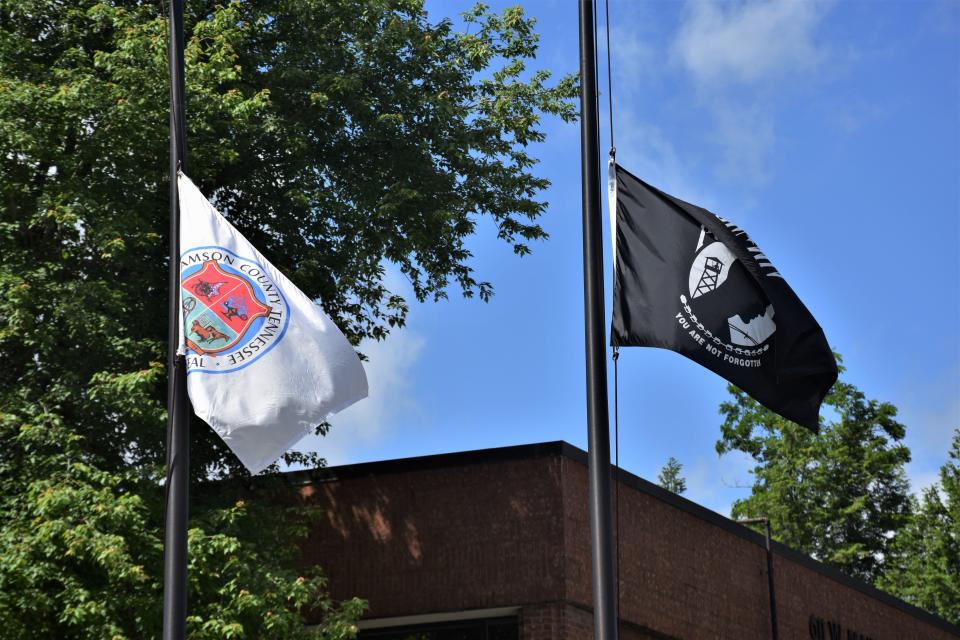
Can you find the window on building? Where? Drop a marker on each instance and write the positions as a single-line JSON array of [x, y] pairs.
[[488, 629]]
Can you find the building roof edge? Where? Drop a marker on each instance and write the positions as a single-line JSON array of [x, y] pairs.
[[567, 450]]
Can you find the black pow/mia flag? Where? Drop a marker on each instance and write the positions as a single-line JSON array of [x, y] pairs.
[[692, 282]]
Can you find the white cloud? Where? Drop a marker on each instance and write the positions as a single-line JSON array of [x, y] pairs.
[[747, 139], [852, 117], [642, 147], [738, 55], [919, 482], [717, 481], [647, 151], [942, 17], [930, 422], [391, 398], [749, 42], [636, 64], [650, 154]]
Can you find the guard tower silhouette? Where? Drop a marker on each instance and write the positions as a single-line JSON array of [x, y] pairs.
[[708, 279]]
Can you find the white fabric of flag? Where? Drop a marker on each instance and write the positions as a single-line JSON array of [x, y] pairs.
[[265, 365]]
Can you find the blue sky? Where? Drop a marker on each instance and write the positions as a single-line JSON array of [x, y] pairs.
[[830, 131]]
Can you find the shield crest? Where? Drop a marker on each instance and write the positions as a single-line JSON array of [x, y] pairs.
[[220, 306]]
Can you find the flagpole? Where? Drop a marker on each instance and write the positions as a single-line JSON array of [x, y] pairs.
[[178, 404], [598, 427]]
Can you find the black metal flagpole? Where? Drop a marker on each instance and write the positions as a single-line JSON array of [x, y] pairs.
[[178, 404], [598, 426]]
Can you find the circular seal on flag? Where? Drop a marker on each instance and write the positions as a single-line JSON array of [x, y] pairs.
[[726, 295], [725, 313], [233, 311]]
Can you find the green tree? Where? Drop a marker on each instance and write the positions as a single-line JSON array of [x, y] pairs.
[[342, 138], [80, 554], [669, 477], [838, 495], [924, 565]]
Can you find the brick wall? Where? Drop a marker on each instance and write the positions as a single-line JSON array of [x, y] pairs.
[[557, 621], [678, 574], [543, 622], [501, 530], [684, 577], [435, 540]]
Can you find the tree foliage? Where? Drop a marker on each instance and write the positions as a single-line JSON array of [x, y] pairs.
[[339, 137], [81, 548], [342, 138], [669, 477], [924, 565], [838, 495]]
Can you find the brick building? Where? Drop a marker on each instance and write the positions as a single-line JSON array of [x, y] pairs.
[[495, 545]]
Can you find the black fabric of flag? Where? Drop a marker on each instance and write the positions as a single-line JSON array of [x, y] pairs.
[[692, 282]]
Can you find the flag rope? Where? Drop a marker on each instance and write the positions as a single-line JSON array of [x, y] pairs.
[[613, 147], [616, 464], [616, 349], [596, 61], [614, 471]]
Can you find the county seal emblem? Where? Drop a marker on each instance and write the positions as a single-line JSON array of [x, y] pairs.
[[233, 312]]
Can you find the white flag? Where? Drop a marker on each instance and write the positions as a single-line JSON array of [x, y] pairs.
[[265, 365]]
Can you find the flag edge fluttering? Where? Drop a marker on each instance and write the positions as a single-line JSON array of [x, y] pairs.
[[720, 232]]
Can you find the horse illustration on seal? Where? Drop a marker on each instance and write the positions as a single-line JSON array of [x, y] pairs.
[[207, 333], [222, 305]]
